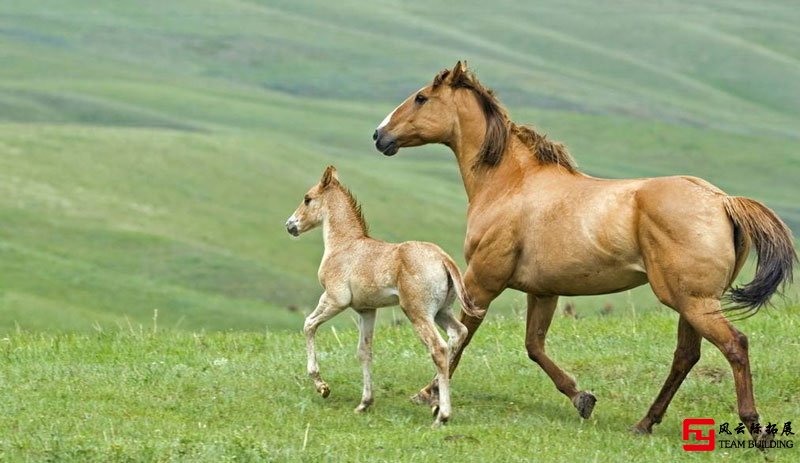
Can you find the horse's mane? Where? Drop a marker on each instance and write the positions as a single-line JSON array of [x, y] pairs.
[[499, 127], [547, 151], [355, 207]]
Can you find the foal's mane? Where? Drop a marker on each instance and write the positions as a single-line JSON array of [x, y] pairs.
[[355, 207], [499, 127]]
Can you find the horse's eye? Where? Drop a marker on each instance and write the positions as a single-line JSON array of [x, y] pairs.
[[420, 98], [306, 200]]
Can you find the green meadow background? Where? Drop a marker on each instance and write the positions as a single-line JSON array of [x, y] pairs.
[[150, 152]]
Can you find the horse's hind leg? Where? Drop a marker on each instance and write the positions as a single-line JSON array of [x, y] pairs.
[[367, 328], [686, 355], [540, 314], [326, 309], [704, 316]]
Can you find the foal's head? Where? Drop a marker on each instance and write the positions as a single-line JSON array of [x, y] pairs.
[[431, 115], [311, 211]]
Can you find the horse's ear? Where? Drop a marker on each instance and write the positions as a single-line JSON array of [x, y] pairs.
[[440, 77], [329, 176], [459, 73]]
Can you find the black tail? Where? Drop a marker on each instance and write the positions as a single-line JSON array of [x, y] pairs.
[[775, 249]]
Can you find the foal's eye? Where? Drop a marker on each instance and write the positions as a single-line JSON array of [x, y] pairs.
[[306, 200], [420, 98]]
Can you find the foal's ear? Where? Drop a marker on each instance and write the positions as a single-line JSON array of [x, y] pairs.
[[459, 73], [329, 176]]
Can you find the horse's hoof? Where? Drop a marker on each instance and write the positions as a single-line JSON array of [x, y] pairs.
[[435, 411], [763, 440], [324, 390], [640, 430], [584, 403]]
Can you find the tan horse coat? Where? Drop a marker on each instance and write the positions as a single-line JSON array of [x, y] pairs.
[[538, 225]]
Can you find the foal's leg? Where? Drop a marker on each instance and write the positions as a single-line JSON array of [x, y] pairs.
[[367, 328], [686, 355], [420, 318], [456, 331], [326, 309], [540, 314], [483, 285]]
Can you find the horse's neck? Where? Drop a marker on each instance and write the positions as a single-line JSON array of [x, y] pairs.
[[514, 163], [341, 225]]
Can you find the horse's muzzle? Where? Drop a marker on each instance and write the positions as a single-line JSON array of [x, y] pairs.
[[385, 142]]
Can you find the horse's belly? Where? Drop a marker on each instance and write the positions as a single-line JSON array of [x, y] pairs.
[[579, 280]]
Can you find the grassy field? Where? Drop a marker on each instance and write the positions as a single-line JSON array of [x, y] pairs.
[[147, 394], [150, 152]]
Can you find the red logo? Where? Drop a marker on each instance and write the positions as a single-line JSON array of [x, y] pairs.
[[698, 435]]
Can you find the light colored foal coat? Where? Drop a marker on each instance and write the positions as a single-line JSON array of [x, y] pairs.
[[366, 274]]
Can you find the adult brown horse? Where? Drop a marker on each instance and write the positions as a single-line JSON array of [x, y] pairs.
[[538, 225]]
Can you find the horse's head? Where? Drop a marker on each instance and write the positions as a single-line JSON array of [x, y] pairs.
[[429, 115], [311, 211]]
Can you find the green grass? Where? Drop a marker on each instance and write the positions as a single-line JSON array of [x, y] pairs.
[[144, 393]]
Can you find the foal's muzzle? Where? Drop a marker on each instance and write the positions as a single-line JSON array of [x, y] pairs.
[[291, 226], [385, 142]]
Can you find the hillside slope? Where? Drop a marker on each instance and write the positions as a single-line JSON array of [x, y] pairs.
[[150, 152]]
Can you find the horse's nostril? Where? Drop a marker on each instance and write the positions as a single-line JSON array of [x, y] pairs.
[[375, 136]]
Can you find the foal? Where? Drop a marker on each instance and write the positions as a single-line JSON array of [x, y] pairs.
[[364, 273]]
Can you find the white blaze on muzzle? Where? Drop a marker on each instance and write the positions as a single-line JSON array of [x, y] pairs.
[[388, 118]]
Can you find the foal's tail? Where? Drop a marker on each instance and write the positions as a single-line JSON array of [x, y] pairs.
[[773, 243], [454, 274]]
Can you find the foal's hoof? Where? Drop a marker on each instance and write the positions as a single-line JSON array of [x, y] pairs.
[[439, 421], [424, 397], [435, 411], [584, 403], [324, 390], [362, 407]]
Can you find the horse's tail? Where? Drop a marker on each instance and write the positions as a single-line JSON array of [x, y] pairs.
[[774, 246], [454, 274]]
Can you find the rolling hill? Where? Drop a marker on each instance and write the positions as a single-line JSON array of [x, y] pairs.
[[151, 151]]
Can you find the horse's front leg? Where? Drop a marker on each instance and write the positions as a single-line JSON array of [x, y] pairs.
[[540, 314], [326, 309], [486, 277]]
